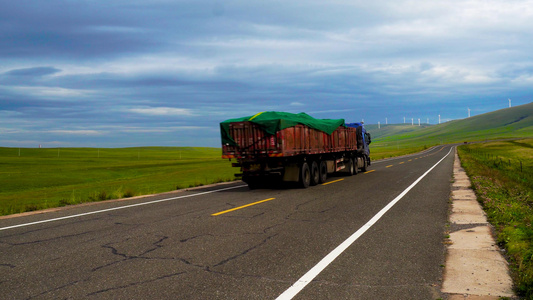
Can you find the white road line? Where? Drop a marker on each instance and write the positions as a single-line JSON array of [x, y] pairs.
[[120, 207], [311, 274]]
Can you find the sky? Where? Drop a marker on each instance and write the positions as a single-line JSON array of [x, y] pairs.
[[130, 73]]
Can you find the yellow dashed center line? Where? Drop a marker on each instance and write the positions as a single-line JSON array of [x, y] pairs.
[[402, 162], [236, 208], [332, 181], [388, 166], [369, 171]]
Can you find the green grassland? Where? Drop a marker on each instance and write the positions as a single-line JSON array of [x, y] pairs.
[[502, 176], [35, 179]]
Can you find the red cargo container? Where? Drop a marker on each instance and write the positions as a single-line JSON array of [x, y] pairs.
[[298, 153], [297, 140]]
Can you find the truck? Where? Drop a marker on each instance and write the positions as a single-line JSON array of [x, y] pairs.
[[294, 147]]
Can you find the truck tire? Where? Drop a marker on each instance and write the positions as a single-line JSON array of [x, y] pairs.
[[365, 164], [305, 175], [315, 173], [323, 171], [352, 167]]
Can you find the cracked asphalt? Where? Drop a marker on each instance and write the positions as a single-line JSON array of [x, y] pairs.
[[176, 249]]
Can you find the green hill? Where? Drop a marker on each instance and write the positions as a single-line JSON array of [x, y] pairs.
[[514, 122]]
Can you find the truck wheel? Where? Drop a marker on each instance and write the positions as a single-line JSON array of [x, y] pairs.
[[305, 175], [365, 164], [323, 170], [315, 174], [353, 168]]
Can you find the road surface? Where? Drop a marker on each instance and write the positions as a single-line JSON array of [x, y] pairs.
[[375, 235]]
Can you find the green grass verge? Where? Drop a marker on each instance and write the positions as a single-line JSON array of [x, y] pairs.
[[502, 176], [34, 179]]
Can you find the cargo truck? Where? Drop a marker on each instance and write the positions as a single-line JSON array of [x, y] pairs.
[[294, 147]]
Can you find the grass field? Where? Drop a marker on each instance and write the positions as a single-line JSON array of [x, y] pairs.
[[502, 176], [35, 179]]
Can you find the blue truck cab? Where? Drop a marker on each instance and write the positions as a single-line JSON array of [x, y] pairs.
[[363, 140]]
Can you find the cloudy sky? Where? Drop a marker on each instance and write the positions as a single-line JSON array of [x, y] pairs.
[[166, 73]]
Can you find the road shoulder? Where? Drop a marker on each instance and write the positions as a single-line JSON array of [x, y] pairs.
[[475, 268]]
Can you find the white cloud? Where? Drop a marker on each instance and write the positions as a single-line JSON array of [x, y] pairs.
[[158, 129], [75, 132], [54, 92], [162, 111], [11, 130]]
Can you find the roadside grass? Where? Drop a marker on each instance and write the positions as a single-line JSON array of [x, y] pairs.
[[45, 178], [502, 177]]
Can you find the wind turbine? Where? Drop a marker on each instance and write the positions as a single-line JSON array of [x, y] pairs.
[[469, 112]]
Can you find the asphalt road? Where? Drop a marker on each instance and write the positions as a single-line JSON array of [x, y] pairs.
[[172, 246]]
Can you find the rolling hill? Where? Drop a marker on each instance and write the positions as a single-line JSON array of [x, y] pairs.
[[513, 122]]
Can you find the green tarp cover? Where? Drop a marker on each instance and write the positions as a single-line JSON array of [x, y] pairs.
[[273, 121]]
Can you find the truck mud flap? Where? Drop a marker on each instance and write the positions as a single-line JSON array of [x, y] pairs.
[[291, 173]]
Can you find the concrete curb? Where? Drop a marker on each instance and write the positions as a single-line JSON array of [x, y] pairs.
[[475, 268]]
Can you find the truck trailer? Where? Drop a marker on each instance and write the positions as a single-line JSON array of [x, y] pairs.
[[294, 147]]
